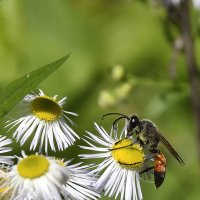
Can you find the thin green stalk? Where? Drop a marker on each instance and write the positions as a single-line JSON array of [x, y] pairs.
[[193, 73]]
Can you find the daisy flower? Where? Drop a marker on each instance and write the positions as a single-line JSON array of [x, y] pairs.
[[80, 184], [4, 149], [36, 177], [123, 160], [44, 118], [46, 178]]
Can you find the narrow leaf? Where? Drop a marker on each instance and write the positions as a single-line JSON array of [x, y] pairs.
[[17, 89]]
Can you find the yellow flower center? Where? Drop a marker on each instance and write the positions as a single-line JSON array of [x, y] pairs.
[[128, 154], [46, 108], [33, 166]]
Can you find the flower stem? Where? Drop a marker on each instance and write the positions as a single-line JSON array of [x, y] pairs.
[[193, 73]]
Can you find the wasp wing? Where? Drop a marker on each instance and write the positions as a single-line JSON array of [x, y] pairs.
[[147, 174], [170, 148]]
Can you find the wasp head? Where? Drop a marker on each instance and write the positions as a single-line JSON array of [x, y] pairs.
[[133, 123]]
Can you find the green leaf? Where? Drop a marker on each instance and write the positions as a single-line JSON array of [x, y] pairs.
[[17, 89]]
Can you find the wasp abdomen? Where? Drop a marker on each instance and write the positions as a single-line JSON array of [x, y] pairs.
[[159, 169]]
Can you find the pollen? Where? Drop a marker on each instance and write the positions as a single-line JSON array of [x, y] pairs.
[[3, 189], [60, 162], [128, 154], [5, 193], [33, 166], [46, 108]]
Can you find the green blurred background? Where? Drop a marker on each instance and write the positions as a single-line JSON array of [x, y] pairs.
[[104, 37]]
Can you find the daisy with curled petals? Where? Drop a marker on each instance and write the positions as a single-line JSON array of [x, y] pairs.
[[44, 118], [46, 178], [5, 162], [4, 149], [123, 159]]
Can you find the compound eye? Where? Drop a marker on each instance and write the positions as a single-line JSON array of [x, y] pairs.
[[133, 123], [133, 120]]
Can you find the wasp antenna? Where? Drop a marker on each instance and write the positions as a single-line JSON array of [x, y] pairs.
[[114, 113], [114, 123]]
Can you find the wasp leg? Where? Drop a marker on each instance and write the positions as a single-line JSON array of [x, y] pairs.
[[134, 142], [145, 173], [146, 170], [150, 156]]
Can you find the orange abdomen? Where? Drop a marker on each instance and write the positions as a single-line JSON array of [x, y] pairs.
[[159, 163], [159, 169]]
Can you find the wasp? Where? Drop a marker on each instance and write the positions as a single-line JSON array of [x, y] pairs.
[[159, 169], [147, 134]]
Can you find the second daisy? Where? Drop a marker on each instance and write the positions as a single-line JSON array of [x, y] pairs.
[[44, 118]]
